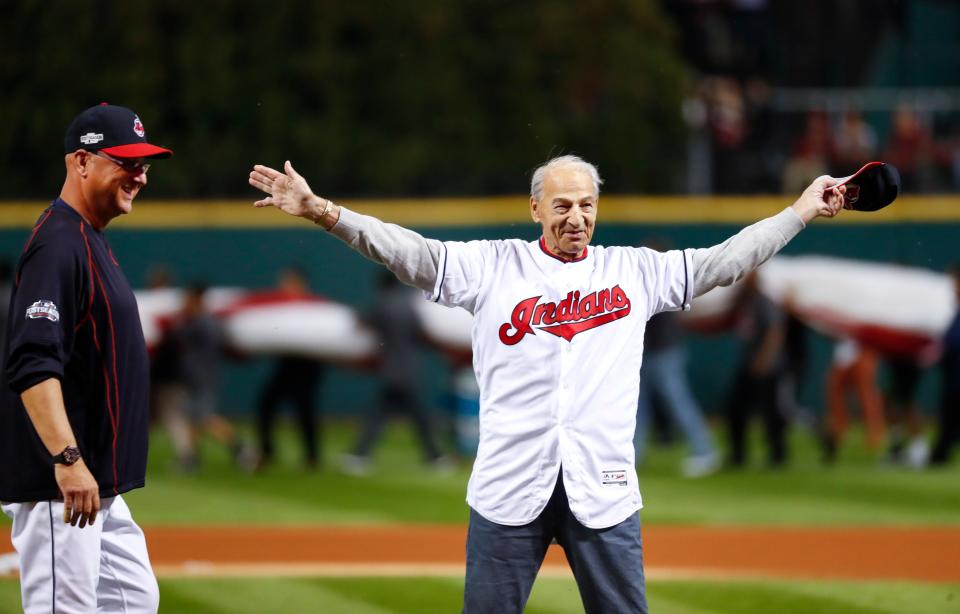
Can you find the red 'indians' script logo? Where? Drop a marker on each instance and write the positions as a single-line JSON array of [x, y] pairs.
[[567, 318]]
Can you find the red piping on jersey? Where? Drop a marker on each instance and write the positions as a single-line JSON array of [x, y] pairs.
[[546, 250], [114, 415], [116, 383], [83, 233], [30, 240]]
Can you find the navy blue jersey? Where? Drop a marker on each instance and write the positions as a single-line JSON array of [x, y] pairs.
[[74, 317]]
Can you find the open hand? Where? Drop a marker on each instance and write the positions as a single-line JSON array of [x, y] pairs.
[[288, 191]]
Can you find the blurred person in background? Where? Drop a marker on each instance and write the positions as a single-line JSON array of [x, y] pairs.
[[853, 369], [663, 377], [757, 385], [168, 397], [811, 155], [397, 324], [949, 416], [910, 148], [797, 348], [199, 339], [729, 130], [854, 143], [906, 442], [294, 380]]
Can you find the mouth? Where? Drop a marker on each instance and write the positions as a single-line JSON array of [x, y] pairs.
[[130, 190]]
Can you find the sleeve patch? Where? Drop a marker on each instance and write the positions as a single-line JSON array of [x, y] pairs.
[[43, 309]]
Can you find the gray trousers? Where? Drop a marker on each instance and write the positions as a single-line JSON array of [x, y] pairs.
[[503, 561]]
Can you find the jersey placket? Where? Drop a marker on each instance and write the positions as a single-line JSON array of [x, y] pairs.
[[569, 279]]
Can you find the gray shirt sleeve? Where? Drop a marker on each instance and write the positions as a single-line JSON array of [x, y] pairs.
[[411, 257], [723, 264]]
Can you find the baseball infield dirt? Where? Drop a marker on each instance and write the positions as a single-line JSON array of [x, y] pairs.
[[930, 554], [923, 554]]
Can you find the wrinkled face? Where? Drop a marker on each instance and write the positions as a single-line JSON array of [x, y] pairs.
[[567, 210], [113, 184]]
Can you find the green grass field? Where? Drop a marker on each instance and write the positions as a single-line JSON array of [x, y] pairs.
[[858, 491], [550, 596]]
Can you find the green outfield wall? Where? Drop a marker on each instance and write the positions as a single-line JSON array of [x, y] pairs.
[[230, 243]]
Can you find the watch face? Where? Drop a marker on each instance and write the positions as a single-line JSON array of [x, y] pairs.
[[70, 455]]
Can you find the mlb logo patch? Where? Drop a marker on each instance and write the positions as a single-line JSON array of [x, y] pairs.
[[614, 478], [43, 309]]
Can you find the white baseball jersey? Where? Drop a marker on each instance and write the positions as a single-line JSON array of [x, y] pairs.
[[557, 348]]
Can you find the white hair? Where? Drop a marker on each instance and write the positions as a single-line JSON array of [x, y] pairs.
[[536, 182]]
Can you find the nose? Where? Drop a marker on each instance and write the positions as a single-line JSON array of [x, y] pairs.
[[141, 178], [576, 217]]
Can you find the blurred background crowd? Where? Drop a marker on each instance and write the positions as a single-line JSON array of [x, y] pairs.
[[675, 96], [440, 99]]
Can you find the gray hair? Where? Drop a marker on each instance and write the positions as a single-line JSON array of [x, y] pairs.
[[536, 182]]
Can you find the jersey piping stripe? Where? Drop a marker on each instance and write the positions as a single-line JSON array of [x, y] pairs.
[[443, 274], [32, 235], [114, 415], [89, 313], [116, 384], [53, 563], [686, 281]]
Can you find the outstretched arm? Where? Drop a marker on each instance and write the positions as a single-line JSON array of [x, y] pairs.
[[723, 264], [411, 257]]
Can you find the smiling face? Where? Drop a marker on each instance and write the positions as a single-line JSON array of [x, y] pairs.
[[566, 209], [113, 187], [100, 188]]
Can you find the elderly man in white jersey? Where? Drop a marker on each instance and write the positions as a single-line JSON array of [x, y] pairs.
[[557, 344]]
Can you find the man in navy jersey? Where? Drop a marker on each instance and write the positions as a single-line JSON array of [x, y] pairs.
[[75, 388]]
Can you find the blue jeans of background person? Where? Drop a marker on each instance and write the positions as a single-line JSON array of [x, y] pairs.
[[502, 561], [664, 374]]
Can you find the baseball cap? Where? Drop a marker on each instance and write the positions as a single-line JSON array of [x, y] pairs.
[[873, 187], [114, 130]]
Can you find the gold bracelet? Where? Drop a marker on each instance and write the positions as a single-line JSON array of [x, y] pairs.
[[323, 214]]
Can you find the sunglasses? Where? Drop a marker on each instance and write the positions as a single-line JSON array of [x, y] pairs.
[[134, 167]]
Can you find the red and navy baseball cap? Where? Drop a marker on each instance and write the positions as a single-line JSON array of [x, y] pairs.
[[114, 130], [873, 187]]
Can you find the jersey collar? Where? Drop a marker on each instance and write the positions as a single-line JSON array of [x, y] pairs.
[[543, 247]]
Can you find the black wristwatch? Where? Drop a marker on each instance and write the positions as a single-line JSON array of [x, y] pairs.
[[69, 456]]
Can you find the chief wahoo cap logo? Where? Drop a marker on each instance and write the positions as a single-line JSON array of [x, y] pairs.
[[138, 126], [852, 194]]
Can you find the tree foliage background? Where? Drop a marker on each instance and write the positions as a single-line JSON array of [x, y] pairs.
[[367, 98]]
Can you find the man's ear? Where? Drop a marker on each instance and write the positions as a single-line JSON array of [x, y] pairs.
[[79, 162], [535, 209]]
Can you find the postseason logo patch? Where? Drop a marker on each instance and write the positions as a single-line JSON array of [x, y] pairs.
[[614, 478], [43, 309]]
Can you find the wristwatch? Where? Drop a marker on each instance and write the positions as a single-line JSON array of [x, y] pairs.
[[69, 456]]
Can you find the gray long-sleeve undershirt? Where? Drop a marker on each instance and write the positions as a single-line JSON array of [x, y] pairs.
[[415, 259]]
